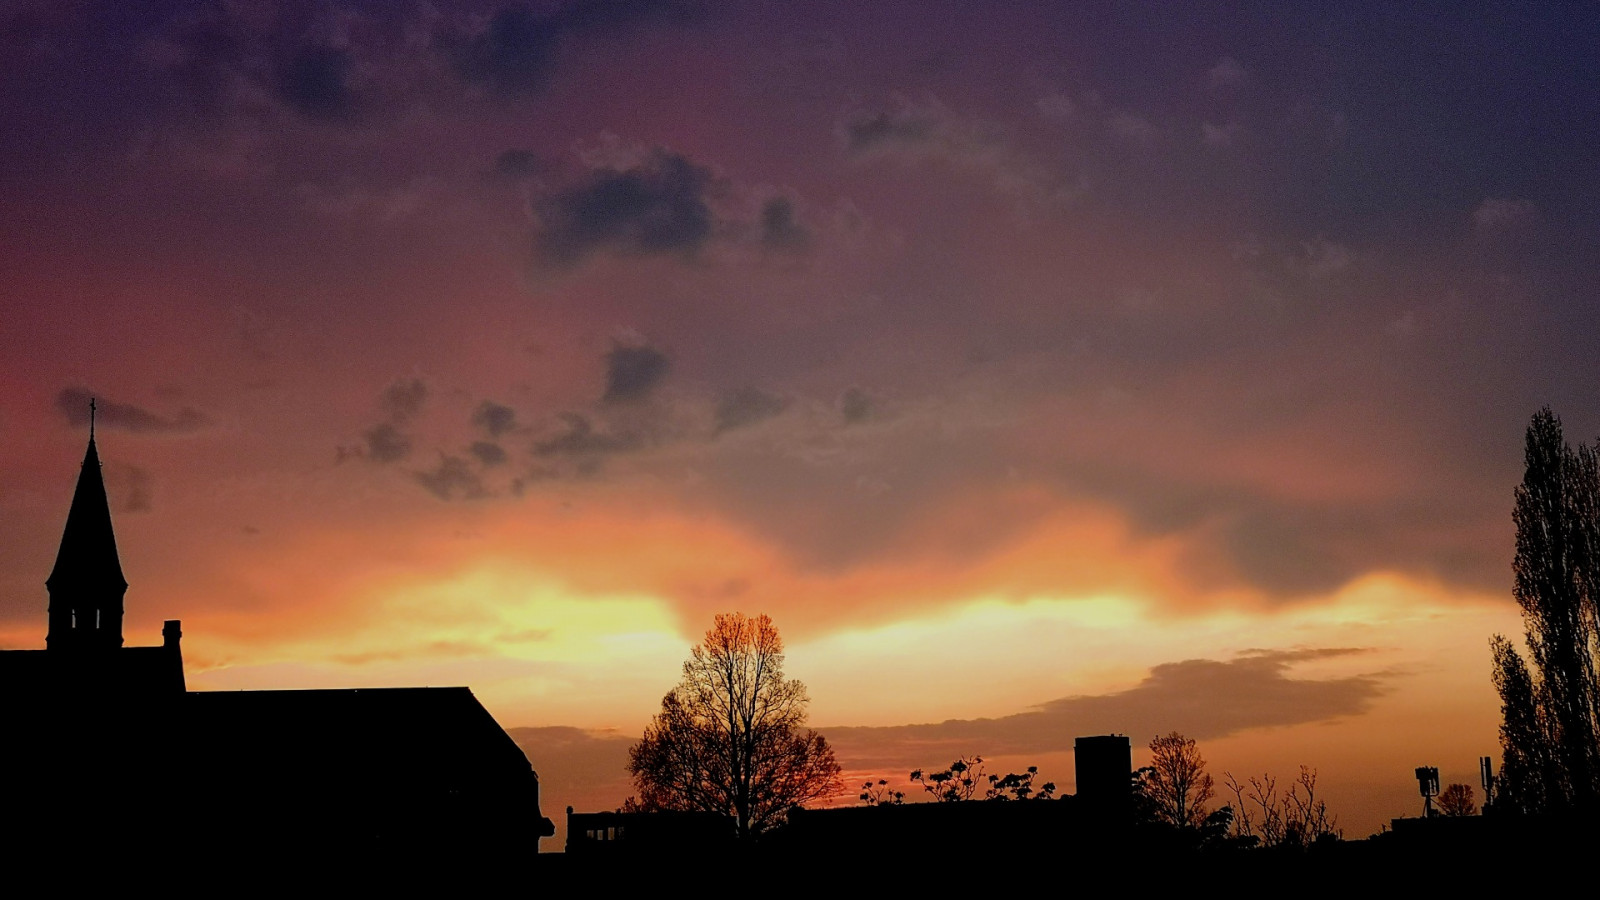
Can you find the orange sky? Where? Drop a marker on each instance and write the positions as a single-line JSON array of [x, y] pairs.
[[1040, 371]]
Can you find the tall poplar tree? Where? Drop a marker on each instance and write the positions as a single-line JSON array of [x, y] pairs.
[[1550, 731]]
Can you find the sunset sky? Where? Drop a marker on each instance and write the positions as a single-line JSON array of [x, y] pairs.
[[1042, 369]]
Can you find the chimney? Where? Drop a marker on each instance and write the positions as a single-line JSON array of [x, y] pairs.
[[171, 633]]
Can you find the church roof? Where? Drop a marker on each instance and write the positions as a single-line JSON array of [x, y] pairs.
[[390, 735], [40, 676], [88, 554]]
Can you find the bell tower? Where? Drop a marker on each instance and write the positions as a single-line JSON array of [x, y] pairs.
[[86, 586]]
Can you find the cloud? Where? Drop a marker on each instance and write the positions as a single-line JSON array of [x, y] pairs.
[[587, 770], [487, 453], [874, 131], [74, 404], [128, 487], [514, 54], [1227, 73], [747, 406], [1323, 259], [1132, 129], [632, 372], [452, 479], [387, 444], [855, 406], [1056, 106], [780, 230], [516, 164], [581, 442], [1202, 698], [913, 132], [403, 400], [1497, 214], [385, 441], [494, 418], [656, 207], [573, 759], [1219, 137], [234, 65], [315, 80], [591, 16]]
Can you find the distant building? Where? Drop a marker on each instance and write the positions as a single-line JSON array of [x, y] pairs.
[[1104, 767], [105, 748], [1094, 820], [604, 834]]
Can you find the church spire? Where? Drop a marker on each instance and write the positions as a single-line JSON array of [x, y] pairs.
[[86, 586]]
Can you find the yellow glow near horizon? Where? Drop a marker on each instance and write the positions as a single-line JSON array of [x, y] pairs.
[[993, 657], [525, 644]]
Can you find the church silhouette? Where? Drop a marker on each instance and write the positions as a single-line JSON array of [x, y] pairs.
[[108, 755]]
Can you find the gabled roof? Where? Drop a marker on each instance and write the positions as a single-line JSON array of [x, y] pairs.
[[88, 554], [420, 737]]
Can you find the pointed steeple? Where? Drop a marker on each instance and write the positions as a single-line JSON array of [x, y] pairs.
[[86, 586]]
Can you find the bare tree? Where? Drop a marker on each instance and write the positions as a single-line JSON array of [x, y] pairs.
[[1293, 818], [1176, 782], [730, 737], [1257, 809], [1456, 800]]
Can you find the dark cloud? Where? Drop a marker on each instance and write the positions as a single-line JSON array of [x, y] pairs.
[[587, 770], [487, 453], [876, 130], [780, 230], [327, 62], [1287, 551], [515, 53], [855, 406], [128, 487], [656, 207], [632, 372], [452, 479], [583, 443], [494, 418], [589, 16], [74, 404], [1202, 698], [515, 164], [572, 759], [403, 399], [1289, 548], [747, 406], [387, 444], [315, 80]]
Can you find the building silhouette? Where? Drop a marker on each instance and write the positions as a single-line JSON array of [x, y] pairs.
[[620, 834], [108, 754], [84, 656]]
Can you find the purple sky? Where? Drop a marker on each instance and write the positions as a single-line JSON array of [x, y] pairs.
[[860, 315]]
